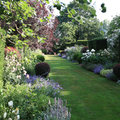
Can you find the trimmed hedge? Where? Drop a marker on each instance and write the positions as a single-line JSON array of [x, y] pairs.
[[98, 44], [1, 62]]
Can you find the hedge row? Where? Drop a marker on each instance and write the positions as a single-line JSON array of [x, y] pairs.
[[2, 45]]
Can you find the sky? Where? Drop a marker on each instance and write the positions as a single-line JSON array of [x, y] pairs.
[[113, 8]]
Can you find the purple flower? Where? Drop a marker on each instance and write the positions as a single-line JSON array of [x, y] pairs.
[[97, 69], [31, 79], [51, 88]]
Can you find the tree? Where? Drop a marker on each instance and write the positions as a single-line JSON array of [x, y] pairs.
[[29, 20], [66, 32], [114, 24]]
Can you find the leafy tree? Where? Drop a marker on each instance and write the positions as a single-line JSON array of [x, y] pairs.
[[114, 24], [66, 32], [29, 20]]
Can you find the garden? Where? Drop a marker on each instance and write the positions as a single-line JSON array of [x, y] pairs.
[[64, 67]]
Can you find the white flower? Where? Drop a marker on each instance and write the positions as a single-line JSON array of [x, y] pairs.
[[27, 76], [18, 117], [10, 104], [87, 51], [18, 76], [5, 115], [92, 50], [9, 118], [13, 111], [25, 72]]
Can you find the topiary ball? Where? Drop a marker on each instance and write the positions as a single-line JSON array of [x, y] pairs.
[[41, 58], [116, 70], [42, 69], [84, 49]]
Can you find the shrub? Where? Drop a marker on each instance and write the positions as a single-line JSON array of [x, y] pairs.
[[13, 50], [1, 61], [84, 49], [57, 111], [75, 56], [42, 69], [14, 71], [112, 76], [116, 70], [79, 58], [109, 65], [46, 86], [89, 66], [41, 58], [29, 103], [105, 72]]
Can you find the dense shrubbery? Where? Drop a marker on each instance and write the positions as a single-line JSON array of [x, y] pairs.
[[26, 96], [30, 60], [116, 70], [41, 58]]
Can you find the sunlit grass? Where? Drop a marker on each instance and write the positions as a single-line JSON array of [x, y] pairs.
[[90, 96]]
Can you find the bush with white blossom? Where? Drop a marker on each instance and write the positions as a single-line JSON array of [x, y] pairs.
[[14, 71], [113, 42], [100, 57], [71, 51]]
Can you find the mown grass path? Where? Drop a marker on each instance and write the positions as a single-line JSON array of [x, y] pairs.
[[90, 96]]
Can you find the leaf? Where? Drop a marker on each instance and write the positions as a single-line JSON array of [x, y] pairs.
[[41, 20], [81, 21], [73, 11]]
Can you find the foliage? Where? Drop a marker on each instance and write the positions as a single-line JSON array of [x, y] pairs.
[[13, 50], [89, 66], [104, 72], [65, 32], [30, 60], [112, 76], [30, 21], [98, 43], [114, 43], [100, 57], [116, 70], [41, 58], [114, 24], [57, 111], [71, 51], [79, 58], [29, 103], [14, 71], [2, 37], [109, 65], [46, 86], [97, 69], [84, 49], [42, 69]]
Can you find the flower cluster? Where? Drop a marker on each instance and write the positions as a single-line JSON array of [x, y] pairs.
[[57, 111], [97, 69], [11, 114], [50, 87], [88, 54], [71, 51], [14, 72]]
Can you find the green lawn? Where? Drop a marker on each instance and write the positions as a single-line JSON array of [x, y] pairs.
[[89, 96]]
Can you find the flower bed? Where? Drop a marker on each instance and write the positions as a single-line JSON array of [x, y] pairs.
[[27, 96], [100, 62]]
